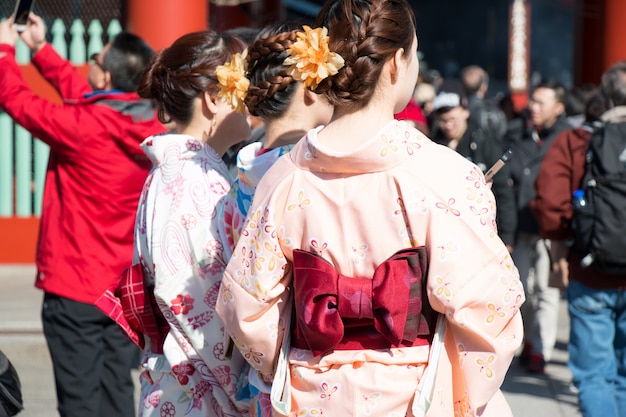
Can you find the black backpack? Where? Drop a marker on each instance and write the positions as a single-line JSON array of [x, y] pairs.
[[600, 226], [10, 388]]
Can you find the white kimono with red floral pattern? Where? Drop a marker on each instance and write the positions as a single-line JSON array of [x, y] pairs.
[[176, 241]]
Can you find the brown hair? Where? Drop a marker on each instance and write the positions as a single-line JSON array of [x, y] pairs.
[[271, 87], [366, 33], [178, 74], [613, 84]]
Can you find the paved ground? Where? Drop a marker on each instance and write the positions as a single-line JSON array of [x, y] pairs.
[[21, 339]]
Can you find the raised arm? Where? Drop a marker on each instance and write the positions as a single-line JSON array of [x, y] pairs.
[[60, 73]]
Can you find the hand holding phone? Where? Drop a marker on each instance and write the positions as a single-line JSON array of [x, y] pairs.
[[22, 11], [498, 165]]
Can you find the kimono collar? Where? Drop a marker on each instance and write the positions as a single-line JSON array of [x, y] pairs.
[[174, 149], [389, 147]]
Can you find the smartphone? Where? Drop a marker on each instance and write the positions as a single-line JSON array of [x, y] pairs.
[[22, 10], [498, 165]]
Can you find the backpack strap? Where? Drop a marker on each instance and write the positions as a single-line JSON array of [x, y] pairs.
[[597, 130]]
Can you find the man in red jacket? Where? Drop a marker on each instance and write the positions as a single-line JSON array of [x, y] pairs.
[[95, 174]]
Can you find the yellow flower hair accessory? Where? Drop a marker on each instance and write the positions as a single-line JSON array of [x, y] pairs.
[[232, 81], [310, 60]]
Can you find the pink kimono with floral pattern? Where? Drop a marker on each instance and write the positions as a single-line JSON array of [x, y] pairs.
[[397, 190], [176, 241]]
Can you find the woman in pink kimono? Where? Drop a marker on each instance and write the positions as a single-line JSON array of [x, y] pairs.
[[288, 110], [187, 371], [363, 237]]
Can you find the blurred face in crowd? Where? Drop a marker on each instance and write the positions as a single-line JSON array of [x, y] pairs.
[[453, 123], [544, 107], [98, 77]]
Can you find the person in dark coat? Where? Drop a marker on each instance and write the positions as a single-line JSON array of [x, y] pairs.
[[596, 302], [529, 137]]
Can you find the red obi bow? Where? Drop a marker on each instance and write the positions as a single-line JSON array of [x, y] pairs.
[[135, 310], [324, 299]]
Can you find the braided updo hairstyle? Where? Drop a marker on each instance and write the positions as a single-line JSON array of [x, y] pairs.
[[271, 87], [178, 74], [366, 33]]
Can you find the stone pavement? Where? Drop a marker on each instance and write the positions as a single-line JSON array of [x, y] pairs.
[[22, 340]]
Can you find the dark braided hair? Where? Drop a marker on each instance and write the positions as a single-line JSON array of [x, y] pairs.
[[366, 33], [271, 87]]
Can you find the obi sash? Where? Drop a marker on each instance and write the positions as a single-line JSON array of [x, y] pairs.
[[336, 312], [133, 307]]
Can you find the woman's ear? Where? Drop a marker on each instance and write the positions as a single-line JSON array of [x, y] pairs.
[[395, 64], [309, 96], [210, 101]]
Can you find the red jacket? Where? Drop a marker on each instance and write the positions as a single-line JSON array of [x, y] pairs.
[[561, 173], [95, 174]]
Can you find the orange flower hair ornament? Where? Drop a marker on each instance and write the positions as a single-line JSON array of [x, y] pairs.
[[310, 60], [232, 81]]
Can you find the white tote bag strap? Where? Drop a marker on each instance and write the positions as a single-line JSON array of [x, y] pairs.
[[281, 401], [426, 387]]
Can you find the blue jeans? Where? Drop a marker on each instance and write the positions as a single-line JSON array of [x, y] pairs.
[[597, 349]]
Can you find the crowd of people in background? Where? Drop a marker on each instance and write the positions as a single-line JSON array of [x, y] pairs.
[[260, 199], [550, 141]]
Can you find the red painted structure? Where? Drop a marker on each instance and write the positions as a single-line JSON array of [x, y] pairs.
[[599, 38], [255, 14], [161, 22]]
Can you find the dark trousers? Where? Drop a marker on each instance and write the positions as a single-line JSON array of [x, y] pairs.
[[91, 358]]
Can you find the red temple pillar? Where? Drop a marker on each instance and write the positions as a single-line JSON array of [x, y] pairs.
[[229, 14], [588, 41], [161, 22], [614, 32], [599, 42]]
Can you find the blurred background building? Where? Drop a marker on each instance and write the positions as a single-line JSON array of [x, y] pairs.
[[518, 42], [452, 33]]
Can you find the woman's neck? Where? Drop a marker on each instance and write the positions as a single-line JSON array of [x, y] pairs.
[[202, 133], [281, 132], [353, 128]]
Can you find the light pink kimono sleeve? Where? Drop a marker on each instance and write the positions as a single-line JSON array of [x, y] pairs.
[[473, 281], [254, 302]]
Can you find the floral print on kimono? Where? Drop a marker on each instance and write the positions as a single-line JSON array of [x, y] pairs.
[[176, 241], [355, 209]]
